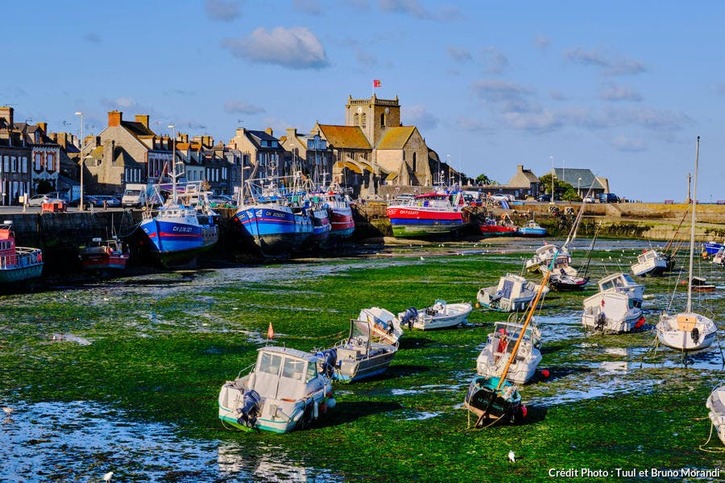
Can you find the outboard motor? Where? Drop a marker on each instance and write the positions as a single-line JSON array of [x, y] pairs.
[[250, 408], [328, 361], [409, 316]]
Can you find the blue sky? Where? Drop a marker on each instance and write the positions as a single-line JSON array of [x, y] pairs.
[[620, 87]]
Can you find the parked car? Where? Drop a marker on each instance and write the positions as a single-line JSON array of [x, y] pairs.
[[38, 200], [544, 198], [588, 199], [222, 201]]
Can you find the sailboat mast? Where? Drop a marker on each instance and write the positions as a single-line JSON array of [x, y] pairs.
[[692, 226]]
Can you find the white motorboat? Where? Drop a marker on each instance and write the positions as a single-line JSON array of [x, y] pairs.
[[623, 283], [612, 313], [384, 324], [496, 353], [513, 293], [688, 330], [362, 354], [440, 315], [286, 390], [650, 262], [716, 404], [545, 254]]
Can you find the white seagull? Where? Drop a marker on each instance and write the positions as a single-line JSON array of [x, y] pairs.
[[8, 410], [512, 457], [108, 476]]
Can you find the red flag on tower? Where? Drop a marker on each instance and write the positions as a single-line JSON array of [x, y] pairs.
[[377, 83], [270, 332]]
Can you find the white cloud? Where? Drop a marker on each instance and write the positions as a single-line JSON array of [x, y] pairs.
[[296, 48], [614, 92], [610, 63], [628, 144]]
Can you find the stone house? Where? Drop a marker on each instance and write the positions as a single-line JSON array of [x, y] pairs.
[[266, 155], [311, 154], [15, 156], [524, 184]]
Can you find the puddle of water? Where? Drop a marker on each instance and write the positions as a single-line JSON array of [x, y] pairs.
[[81, 441]]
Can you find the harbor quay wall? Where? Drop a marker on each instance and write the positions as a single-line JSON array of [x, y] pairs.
[[649, 221]]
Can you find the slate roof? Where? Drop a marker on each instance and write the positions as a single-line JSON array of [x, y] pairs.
[[572, 175], [137, 129]]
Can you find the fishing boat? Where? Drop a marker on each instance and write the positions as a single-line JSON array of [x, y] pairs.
[[503, 227], [184, 226], [363, 354], [440, 315], [436, 213], [494, 398], [287, 389], [545, 254], [716, 404], [269, 221], [688, 330], [497, 350], [17, 263], [513, 293], [340, 212], [650, 262], [102, 254], [700, 284], [532, 230]]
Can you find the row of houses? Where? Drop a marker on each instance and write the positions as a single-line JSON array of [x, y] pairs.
[[372, 152]]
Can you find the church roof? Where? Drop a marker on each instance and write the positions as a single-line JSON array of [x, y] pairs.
[[396, 137], [351, 137]]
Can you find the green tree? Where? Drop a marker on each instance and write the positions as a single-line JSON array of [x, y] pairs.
[[564, 191], [484, 180]]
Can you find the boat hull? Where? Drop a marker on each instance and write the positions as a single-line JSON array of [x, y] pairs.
[[343, 224], [688, 332], [18, 274], [275, 230], [177, 242], [716, 404], [353, 367], [415, 222], [490, 404]]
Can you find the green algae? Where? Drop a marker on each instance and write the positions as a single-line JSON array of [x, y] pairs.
[[162, 353]]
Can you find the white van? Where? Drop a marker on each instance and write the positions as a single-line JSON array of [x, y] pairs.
[[138, 195]]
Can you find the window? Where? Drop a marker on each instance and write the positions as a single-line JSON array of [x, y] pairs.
[[364, 120], [270, 363], [51, 163], [415, 162], [382, 120], [294, 369], [25, 164], [38, 162]]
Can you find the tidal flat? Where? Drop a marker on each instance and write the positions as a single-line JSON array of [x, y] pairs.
[[123, 374]]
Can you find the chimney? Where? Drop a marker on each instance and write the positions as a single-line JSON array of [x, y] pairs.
[[6, 112], [269, 131], [43, 126], [115, 118], [143, 119], [519, 168]]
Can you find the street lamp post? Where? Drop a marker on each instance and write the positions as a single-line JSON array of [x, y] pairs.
[[80, 162], [578, 187], [174, 196]]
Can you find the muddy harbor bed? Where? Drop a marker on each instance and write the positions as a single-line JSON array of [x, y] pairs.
[[123, 375]]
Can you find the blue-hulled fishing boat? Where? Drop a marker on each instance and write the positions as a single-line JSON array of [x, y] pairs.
[[270, 221]]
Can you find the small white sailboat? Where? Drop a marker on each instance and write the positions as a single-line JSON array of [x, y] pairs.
[[716, 404], [688, 330], [545, 254], [440, 315], [495, 354]]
